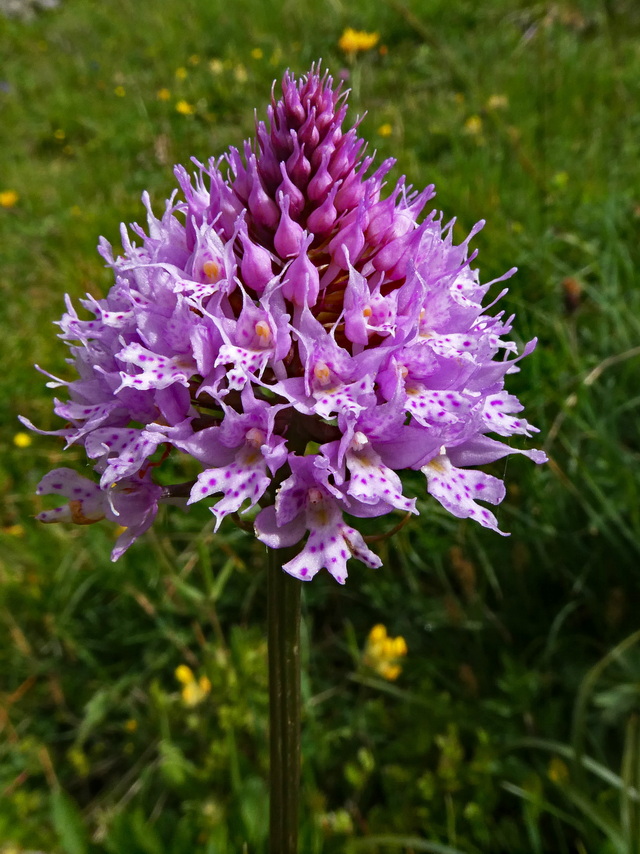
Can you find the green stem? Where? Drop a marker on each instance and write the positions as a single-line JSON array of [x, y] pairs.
[[283, 615]]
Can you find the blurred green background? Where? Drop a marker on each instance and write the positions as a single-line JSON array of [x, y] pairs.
[[133, 713]]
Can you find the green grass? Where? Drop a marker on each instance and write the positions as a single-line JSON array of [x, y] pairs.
[[514, 725]]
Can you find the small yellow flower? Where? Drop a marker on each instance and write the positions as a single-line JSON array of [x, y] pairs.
[[163, 94], [240, 73], [8, 198], [184, 674], [382, 653], [385, 130], [22, 440], [473, 125], [353, 41], [181, 73], [195, 692], [14, 530], [185, 108], [398, 647], [377, 634], [194, 59], [59, 133], [257, 53], [131, 725], [216, 66], [120, 91], [557, 770], [497, 102]]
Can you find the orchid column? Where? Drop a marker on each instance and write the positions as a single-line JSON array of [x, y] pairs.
[[301, 337]]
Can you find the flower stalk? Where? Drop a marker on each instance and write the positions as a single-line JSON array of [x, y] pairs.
[[283, 617]]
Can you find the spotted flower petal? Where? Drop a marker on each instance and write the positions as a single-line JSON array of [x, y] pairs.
[[458, 490]]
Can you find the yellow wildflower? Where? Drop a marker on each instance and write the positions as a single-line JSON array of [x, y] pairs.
[[385, 130], [497, 102], [163, 94], [557, 770], [131, 725], [257, 53], [194, 59], [59, 133], [22, 440], [352, 41], [184, 674], [216, 66], [193, 691], [473, 125], [185, 108], [240, 73], [382, 652], [120, 91], [8, 198], [14, 530], [181, 73]]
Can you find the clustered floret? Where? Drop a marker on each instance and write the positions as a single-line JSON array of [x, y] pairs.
[[301, 337]]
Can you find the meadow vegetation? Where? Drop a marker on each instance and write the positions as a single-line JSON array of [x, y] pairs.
[[133, 706]]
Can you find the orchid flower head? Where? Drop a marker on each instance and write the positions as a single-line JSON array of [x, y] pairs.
[[299, 333]]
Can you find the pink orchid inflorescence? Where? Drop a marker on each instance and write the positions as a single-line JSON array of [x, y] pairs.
[[300, 337]]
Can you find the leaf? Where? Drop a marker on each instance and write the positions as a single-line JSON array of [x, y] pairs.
[[145, 834], [174, 765], [68, 823], [254, 807], [95, 711]]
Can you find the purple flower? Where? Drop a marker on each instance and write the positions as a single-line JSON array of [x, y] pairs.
[[300, 336]]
